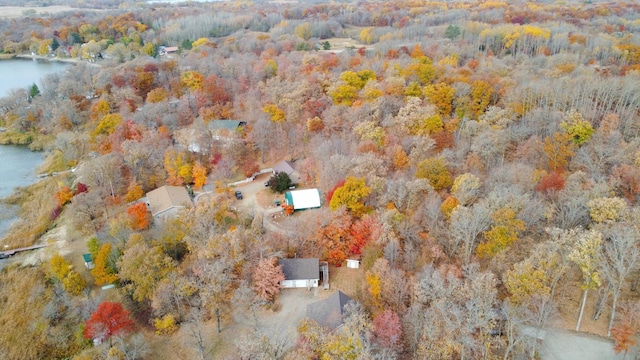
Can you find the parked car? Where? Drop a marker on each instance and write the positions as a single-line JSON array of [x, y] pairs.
[[266, 183], [238, 195]]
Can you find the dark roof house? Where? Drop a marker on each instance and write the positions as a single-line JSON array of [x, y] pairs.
[[330, 311], [300, 273]]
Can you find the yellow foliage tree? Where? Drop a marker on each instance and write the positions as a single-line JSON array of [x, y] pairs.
[[134, 192], [100, 109], [421, 68], [351, 195], [157, 95], [481, 92], [303, 31], [199, 42], [441, 95], [192, 79], [165, 325], [366, 35], [277, 114], [504, 232], [576, 126], [434, 170], [102, 271], [107, 125], [344, 95]]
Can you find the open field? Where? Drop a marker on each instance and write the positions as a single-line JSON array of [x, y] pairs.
[[19, 11]]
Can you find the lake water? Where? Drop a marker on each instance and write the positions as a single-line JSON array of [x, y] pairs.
[[22, 73], [18, 164]]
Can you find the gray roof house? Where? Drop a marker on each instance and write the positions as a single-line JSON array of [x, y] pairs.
[[287, 168], [166, 201], [231, 125], [330, 311], [300, 273]]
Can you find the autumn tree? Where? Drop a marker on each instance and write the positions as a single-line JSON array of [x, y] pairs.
[[142, 267], [586, 255], [577, 127], [441, 95], [557, 150], [435, 170], [139, 215], [503, 233], [63, 272], [110, 319], [387, 329], [466, 188], [103, 271], [199, 175], [267, 277], [627, 328], [351, 195], [607, 209]]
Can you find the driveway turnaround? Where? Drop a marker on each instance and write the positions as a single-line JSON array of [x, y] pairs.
[[567, 345]]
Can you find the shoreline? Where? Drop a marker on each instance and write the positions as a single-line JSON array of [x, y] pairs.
[[47, 58]]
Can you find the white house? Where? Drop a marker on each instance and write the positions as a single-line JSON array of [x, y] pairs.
[[300, 273]]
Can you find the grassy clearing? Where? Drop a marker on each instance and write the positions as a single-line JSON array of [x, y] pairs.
[[36, 204]]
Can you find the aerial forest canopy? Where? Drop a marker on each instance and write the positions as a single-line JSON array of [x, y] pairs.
[[479, 161]]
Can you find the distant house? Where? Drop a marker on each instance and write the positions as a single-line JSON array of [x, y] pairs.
[[303, 199], [88, 262], [166, 201], [167, 50], [300, 273], [287, 168], [221, 129], [231, 125], [330, 311]]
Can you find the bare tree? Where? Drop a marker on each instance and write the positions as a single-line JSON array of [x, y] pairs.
[[620, 257]]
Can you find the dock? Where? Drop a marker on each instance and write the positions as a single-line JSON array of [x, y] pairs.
[[8, 253]]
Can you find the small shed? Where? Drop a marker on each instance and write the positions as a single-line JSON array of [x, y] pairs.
[[353, 264], [303, 199], [88, 262]]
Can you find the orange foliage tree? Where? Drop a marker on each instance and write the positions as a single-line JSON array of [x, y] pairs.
[[139, 215]]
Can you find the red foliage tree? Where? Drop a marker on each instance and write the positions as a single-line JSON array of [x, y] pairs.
[[624, 336], [387, 329], [361, 233], [552, 182], [109, 319], [139, 215], [81, 188], [626, 179], [330, 192]]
